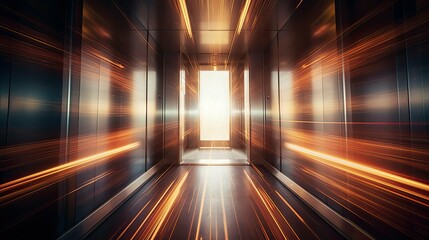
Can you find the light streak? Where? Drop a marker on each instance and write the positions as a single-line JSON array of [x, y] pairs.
[[225, 225], [201, 209], [66, 168], [185, 15], [268, 206], [243, 16], [168, 205], [150, 213], [108, 60], [363, 170]]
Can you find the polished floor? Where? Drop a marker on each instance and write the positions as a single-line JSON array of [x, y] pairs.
[[212, 156], [214, 202]]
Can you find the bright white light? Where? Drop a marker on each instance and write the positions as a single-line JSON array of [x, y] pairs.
[[214, 105]]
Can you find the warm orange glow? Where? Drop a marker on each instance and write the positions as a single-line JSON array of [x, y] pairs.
[[60, 170], [363, 171], [243, 16], [201, 209], [185, 15], [169, 205], [272, 214], [109, 61]]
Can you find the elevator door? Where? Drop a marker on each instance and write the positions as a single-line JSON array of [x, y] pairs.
[[214, 109]]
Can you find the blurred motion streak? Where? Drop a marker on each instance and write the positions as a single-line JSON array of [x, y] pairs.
[[185, 16], [161, 211], [35, 181], [243, 16], [273, 216], [366, 172]]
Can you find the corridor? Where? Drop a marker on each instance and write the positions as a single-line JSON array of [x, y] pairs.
[[214, 119]]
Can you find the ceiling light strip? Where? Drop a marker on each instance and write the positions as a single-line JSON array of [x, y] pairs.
[[243, 16], [185, 15]]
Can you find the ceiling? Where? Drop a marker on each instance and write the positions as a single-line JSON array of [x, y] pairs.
[[214, 36]]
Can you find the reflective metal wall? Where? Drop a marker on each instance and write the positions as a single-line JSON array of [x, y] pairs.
[[353, 110], [82, 99], [171, 118], [191, 98], [31, 82], [254, 61], [237, 140]]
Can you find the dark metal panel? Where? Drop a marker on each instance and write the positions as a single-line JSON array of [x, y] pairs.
[[310, 98], [171, 107], [163, 15], [112, 102], [191, 138], [237, 106], [154, 106], [272, 114], [31, 53], [5, 67], [256, 95], [417, 69], [87, 139]]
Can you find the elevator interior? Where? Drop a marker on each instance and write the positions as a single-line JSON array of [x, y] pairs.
[[328, 118]]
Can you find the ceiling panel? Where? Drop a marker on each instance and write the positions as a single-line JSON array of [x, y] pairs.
[[214, 24]]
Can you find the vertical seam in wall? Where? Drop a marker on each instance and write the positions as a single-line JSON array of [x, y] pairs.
[[146, 88], [164, 84], [323, 97], [343, 75], [178, 107], [64, 147], [264, 108], [278, 101], [199, 110], [8, 103], [250, 110], [96, 126], [343, 80], [230, 107]]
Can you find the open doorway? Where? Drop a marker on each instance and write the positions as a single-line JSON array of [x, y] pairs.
[[214, 105], [212, 117]]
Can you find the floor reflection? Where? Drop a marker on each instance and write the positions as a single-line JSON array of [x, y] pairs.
[[212, 156], [205, 202]]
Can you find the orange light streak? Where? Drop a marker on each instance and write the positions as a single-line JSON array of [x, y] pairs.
[[149, 214], [201, 209], [62, 168], [225, 225], [267, 206], [357, 169], [185, 15], [243, 16], [109, 61], [168, 206]]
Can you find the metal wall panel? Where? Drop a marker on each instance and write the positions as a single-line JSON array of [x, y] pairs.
[[272, 115], [5, 67], [104, 119], [353, 108], [30, 115], [237, 106], [154, 105], [192, 117], [113, 102], [256, 96], [171, 107]]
